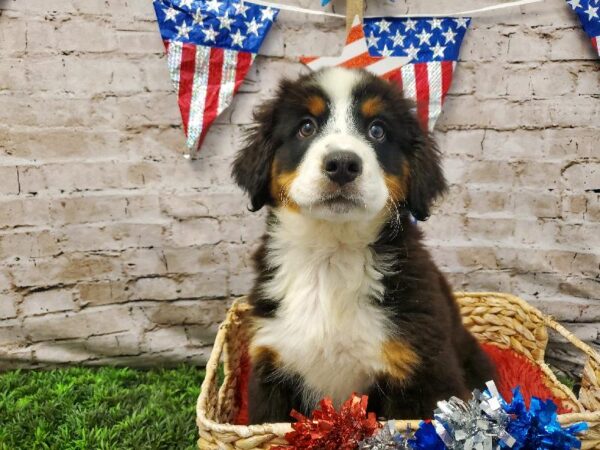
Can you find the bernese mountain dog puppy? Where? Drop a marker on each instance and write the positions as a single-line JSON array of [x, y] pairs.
[[347, 299]]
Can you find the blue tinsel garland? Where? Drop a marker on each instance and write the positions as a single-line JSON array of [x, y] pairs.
[[487, 422]]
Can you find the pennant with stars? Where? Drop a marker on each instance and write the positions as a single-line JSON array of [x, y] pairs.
[[211, 45], [589, 15], [431, 45]]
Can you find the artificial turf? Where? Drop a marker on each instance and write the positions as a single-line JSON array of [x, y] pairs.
[[103, 408]]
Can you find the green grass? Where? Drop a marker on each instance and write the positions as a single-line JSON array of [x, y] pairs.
[[104, 408]]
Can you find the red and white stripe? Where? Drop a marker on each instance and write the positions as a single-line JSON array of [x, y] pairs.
[[426, 83], [206, 78], [596, 44], [356, 55]]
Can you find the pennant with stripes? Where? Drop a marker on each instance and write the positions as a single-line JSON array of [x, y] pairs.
[[432, 45], [589, 15], [355, 54], [211, 45]]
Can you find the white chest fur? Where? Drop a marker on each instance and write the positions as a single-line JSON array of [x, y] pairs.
[[327, 328]]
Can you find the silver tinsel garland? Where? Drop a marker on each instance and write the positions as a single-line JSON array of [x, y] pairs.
[[479, 424], [386, 439]]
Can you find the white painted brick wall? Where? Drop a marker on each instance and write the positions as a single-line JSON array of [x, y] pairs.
[[115, 249]]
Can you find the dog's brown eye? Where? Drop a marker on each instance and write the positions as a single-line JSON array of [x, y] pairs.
[[307, 129], [376, 131]]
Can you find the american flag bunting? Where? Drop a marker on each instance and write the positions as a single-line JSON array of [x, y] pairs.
[[589, 14], [211, 45], [355, 54], [431, 45]]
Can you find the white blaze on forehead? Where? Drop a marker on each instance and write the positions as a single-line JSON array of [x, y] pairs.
[[340, 133], [338, 84]]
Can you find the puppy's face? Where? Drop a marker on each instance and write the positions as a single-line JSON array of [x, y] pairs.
[[339, 145]]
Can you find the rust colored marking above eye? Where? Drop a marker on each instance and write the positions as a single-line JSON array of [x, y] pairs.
[[316, 105], [371, 107]]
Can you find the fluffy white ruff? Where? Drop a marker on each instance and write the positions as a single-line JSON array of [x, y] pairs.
[[327, 327]]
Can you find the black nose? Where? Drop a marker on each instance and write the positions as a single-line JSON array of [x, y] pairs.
[[342, 167]]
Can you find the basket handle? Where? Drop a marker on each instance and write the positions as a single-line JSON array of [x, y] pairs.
[[589, 394]]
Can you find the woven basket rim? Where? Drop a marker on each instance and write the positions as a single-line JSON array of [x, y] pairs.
[[280, 429]]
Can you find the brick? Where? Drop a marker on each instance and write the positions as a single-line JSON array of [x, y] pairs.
[[24, 212], [42, 302], [526, 47], [87, 176], [9, 180], [194, 259], [488, 201], [81, 209], [119, 236], [141, 42], [210, 284], [103, 293], [12, 74], [196, 232], [8, 305], [13, 36], [52, 144], [582, 176], [246, 229], [484, 45], [11, 332], [165, 339], [80, 324], [537, 204], [185, 312], [569, 44], [117, 344], [70, 268], [588, 80], [205, 204], [86, 36], [60, 352], [199, 336], [464, 143], [141, 261], [15, 246]]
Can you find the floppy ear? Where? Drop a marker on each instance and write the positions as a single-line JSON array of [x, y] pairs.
[[252, 166], [427, 180]]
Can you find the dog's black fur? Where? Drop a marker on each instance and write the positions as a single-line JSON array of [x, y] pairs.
[[417, 297]]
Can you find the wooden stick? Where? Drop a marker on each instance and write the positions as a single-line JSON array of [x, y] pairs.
[[354, 8]]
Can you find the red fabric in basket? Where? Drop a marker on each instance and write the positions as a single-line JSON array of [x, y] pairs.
[[513, 370], [516, 370]]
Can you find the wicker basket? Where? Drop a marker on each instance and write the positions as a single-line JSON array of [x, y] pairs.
[[502, 319]]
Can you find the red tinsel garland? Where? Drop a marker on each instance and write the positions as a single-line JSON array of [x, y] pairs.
[[329, 429]]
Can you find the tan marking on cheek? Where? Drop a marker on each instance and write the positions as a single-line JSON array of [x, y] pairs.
[[281, 183], [398, 184], [396, 188], [316, 105], [263, 354], [400, 359], [371, 107]]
